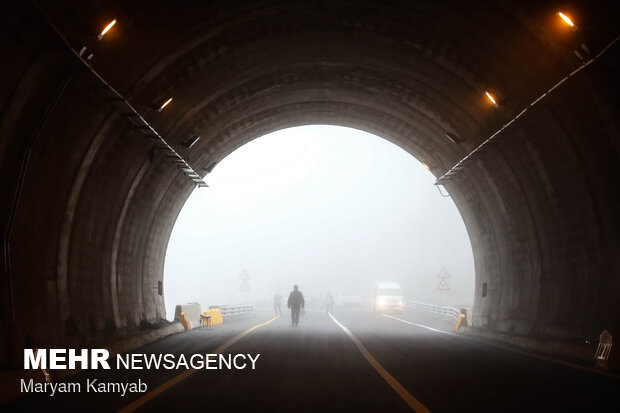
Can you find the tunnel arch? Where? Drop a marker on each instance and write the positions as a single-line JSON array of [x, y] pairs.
[[327, 208], [537, 204]]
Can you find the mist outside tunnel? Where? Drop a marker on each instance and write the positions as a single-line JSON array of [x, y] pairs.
[[328, 208]]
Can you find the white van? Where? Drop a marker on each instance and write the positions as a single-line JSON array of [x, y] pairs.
[[387, 298]]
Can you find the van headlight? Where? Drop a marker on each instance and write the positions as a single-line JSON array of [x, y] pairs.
[[381, 302]]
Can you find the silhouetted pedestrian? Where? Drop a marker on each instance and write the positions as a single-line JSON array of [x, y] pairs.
[[295, 303], [277, 303], [330, 303]]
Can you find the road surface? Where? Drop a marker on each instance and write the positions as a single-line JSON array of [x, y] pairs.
[[384, 364]]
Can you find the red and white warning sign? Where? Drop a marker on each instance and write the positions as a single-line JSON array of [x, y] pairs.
[[245, 277], [443, 276], [443, 285], [443, 273]]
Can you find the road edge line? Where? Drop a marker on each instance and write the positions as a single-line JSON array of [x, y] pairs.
[[421, 325], [395, 384], [514, 350]]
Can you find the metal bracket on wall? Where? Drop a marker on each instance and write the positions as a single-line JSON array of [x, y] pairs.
[[128, 111], [460, 165], [147, 130]]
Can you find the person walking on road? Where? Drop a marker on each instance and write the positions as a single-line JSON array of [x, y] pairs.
[[295, 303], [330, 303], [277, 303]]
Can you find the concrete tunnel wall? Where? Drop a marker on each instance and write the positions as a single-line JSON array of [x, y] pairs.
[[88, 202]]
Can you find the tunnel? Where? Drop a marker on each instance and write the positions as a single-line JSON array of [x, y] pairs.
[[105, 135]]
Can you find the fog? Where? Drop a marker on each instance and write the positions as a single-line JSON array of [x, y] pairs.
[[328, 208]]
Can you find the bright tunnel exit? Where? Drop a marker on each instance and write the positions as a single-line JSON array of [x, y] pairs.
[[332, 209]]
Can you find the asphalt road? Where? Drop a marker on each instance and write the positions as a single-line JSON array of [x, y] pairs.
[[318, 367]]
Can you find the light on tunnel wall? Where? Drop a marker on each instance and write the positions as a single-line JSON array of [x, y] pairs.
[[209, 168], [163, 105], [424, 164], [191, 142], [566, 19], [106, 29], [491, 98]]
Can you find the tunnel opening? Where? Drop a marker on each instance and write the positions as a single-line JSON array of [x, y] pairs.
[[331, 209], [112, 121]]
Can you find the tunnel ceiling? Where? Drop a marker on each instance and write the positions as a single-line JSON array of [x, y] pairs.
[[414, 71], [89, 202]]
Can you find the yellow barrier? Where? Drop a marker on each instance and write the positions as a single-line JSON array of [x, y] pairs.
[[461, 321], [216, 316], [185, 321]]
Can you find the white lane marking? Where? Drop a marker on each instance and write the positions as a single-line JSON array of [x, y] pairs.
[[420, 325], [524, 353], [395, 384]]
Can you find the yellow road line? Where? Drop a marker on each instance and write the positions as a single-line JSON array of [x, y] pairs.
[[182, 376], [398, 388]]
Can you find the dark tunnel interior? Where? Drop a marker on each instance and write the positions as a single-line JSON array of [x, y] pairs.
[[90, 194]]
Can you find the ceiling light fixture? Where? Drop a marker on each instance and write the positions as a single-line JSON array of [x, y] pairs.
[[566, 19], [191, 142], [107, 28], [209, 168], [164, 104], [491, 98], [452, 137]]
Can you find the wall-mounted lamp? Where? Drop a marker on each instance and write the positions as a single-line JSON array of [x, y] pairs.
[[191, 142], [491, 98], [163, 105], [209, 168], [106, 29], [452, 137], [568, 21]]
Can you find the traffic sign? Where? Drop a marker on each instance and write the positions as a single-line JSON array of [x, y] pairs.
[[443, 285], [244, 277], [443, 273]]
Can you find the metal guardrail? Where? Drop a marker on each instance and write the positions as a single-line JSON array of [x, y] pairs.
[[233, 310], [449, 312]]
